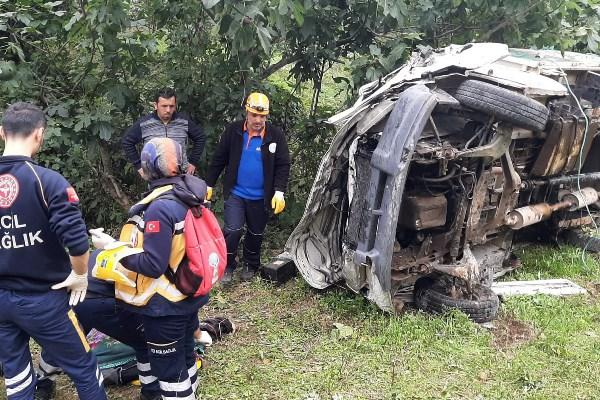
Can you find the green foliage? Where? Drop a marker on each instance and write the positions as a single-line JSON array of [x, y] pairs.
[[93, 67], [565, 262]]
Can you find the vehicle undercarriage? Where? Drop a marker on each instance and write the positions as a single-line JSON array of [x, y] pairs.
[[429, 180]]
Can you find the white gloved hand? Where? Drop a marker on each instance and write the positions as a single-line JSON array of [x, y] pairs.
[[77, 285], [100, 239], [204, 338]]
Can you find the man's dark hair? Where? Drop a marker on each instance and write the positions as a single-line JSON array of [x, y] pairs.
[[21, 119], [165, 93]]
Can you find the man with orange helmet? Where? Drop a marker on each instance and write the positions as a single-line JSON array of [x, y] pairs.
[[256, 160]]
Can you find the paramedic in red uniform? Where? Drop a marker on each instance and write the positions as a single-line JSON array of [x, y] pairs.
[[43, 263]]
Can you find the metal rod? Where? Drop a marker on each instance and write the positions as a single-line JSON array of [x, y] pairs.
[[584, 179], [435, 130]]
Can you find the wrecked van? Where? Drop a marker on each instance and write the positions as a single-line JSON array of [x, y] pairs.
[[437, 168]]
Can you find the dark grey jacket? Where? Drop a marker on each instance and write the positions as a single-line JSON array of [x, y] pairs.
[[180, 128]]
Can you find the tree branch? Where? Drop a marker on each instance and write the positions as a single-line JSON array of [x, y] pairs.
[[271, 69], [280, 64], [507, 21]]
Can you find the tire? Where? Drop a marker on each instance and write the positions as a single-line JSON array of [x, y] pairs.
[[504, 104], [432, 296], [578, 238]]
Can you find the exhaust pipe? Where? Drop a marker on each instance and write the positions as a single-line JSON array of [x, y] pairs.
[[529, 215]]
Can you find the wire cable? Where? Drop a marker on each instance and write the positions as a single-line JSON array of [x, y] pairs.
[[580, 158]]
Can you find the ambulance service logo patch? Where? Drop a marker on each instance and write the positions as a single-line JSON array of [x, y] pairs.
[[9, 190]]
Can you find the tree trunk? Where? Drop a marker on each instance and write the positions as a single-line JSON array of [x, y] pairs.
[[110, 183]]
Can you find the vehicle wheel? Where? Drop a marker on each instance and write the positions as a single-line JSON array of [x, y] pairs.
[[578, 238], [433, 296], [504, 104]]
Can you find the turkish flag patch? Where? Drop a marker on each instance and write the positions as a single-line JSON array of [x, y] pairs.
[[72, 195], [152, 226]]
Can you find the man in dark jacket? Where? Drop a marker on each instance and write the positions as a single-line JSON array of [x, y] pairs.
[[256, 160], [165, 122], [44, 256]]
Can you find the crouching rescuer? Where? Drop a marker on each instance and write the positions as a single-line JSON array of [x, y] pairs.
[[149, 266]]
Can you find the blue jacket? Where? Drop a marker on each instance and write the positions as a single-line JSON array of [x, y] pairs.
[[40, 221]]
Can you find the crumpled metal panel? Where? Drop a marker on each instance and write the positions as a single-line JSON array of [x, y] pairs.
[[389, 164], [314, 245], [562, 149]]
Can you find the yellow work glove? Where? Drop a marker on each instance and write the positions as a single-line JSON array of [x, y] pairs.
[[278, 202], [208, 193]]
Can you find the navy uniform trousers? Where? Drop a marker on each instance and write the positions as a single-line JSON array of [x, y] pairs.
[[106, 315], [237, 213], [47, 318], [172, 355]]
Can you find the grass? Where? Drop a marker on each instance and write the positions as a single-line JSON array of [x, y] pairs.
[[294, 342]]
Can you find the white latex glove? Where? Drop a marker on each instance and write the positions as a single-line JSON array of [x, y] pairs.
[[77, 285], [204, 338], [100, 239]]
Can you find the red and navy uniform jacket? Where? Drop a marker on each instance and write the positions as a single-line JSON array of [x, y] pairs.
[[40, 221], [162, 227]]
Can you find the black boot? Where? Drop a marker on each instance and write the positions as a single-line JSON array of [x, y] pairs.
[[45, 389], [248, 273], [227, 279]]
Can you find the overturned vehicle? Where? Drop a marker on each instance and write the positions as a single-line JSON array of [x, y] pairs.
[[438, 166]]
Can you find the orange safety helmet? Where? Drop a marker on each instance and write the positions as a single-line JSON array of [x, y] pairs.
[[257, 103]]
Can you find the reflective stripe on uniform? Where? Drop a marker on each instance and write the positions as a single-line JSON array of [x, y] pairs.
[[146, 288], [146, 380], [175, 386], [143, 367], [193, 373], [145, 373], [75, 323], [99, 377], [19, 382], [19, 377], [178, 227], [22, 386]]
